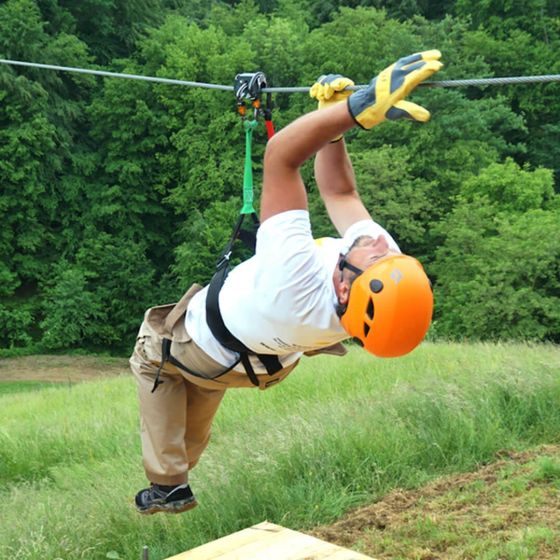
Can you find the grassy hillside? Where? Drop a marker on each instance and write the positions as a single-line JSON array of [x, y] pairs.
[[507, 510], [336, 434]]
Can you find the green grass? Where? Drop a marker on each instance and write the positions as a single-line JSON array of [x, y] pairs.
[[335, 434], [11, 387]]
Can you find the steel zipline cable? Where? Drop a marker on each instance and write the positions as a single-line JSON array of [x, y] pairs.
[[442, 83]]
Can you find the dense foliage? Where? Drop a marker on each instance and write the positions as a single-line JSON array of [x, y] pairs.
[[115, 194]]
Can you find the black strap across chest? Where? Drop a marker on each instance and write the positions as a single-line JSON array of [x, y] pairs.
[[214, 317]]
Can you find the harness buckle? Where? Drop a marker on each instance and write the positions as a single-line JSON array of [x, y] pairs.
[[224, 260]]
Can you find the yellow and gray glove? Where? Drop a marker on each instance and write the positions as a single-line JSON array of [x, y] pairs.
[[330, 89], [384, 96]]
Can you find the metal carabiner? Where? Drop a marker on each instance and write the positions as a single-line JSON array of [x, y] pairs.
[[249, 85]]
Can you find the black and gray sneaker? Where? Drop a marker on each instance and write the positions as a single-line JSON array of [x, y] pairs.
[[170, 499]]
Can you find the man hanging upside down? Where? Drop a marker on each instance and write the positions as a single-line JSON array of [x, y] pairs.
[[293, 297]]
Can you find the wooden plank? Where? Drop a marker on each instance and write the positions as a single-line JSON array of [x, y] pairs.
[[217, 548], [267, 541]]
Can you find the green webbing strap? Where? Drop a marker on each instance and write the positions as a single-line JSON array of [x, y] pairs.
[[248, 173]]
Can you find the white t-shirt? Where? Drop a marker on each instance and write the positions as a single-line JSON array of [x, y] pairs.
[[282, 300]]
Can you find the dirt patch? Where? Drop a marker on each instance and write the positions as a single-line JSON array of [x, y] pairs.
[[61, 368], [507, 509]]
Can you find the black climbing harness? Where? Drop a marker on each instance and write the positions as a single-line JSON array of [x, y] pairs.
[[214, 317]]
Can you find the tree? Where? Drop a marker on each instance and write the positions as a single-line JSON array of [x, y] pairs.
[[498, 273], [42, 153], [110, 28], [70, 310], [96, 300], [117, 194]]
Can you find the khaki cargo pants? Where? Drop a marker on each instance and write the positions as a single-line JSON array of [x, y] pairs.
[[176, 419]]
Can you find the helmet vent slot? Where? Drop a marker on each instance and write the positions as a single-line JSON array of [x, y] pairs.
[[369, 310]]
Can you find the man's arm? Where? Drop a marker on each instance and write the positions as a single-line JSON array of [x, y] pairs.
[[283, 187], [337, 184], [333, 169]]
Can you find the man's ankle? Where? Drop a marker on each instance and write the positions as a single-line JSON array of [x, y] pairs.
[[168, 488]]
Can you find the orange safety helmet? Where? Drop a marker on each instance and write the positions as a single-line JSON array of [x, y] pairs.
[[390, 306]]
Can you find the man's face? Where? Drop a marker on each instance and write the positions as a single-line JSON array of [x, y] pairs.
[[364, 252], [367, 250]]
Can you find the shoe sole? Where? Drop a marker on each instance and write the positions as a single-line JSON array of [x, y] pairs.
[[178, 507]]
